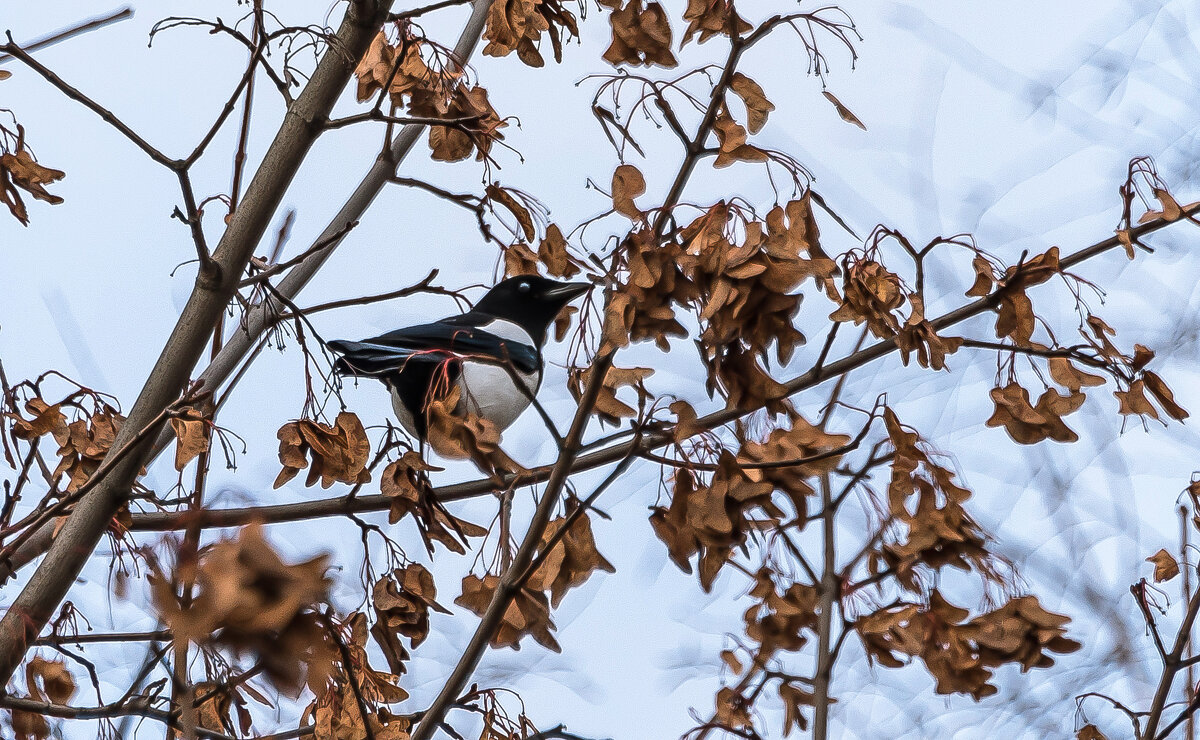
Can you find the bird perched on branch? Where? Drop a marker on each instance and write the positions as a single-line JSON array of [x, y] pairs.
[[484, 353]]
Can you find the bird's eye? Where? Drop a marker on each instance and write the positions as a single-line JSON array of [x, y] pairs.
[[523, 287]]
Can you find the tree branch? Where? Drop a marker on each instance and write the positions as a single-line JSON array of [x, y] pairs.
[[16, 52], [92, 24], [280, 513]]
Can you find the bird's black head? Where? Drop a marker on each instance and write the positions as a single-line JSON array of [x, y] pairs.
[[531, 301]]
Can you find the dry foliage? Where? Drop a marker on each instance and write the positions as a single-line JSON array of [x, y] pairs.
[[759, 480]]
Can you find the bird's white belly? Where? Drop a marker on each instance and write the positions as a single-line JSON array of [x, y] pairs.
[[491, 391]]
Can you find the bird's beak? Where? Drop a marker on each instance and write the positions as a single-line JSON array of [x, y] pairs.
[[568, 291]]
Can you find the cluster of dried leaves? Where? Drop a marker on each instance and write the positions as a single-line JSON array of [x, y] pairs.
[[455, 433], [19, 170], [402, 601], [82, 443], [348, 706], [405, 482], [929, 527], [923, 529], [740, 283], [1027, 422], [248, 600], [338, 453], [567, 557], [713, 516], [433, 87], [872, 294], [518, 25], [46, 681], [959, 654]]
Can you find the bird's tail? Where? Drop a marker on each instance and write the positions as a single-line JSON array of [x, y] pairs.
[[363, 358]]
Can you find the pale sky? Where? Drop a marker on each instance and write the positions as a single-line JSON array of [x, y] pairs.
[[1014, 122]]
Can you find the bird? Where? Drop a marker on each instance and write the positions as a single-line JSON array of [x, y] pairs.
[[484, 352]]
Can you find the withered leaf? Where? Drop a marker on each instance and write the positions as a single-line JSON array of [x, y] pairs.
[[870, 293], [732, 709], [553, 254], [193, 432], [985, 277], [50, 680], [1089, 732], [1142, 356], [517, 25], [730, 659], [473, 110], [248, 599], [731, 142], [1133, 401], [402, 601], [339, 452], [572, 560], [519, 259], [1070, 377], [627, 184], [1015, 318], [795, 697], [44, 419], [213, 713], [500, 195], [455, 433], [19, 170], [527, 614], [608, 407], [83, 445], [405, 483], [709, 18], [1164, 396], [1170, 208], [641, 35], [686, 425], [1028, 424], [752, 95], [1165, 567], [843, 111]]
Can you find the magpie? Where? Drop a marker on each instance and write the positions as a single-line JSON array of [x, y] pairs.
[[484, 351]]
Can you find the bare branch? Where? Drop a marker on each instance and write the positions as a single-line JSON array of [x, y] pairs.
[[16, 52], [92, 24]]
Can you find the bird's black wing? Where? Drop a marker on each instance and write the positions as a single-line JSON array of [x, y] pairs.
[[430, 345]]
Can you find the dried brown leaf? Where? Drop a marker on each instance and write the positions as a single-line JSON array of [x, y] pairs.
[[752, 95], [843, 111], [1165, 566]]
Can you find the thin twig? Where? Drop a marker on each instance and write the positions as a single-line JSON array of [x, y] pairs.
[[16, 52], [92, 24]]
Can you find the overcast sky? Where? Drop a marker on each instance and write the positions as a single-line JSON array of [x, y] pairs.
[[1011, 121]]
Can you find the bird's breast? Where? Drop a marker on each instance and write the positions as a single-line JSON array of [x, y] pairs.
[[492, 391]]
